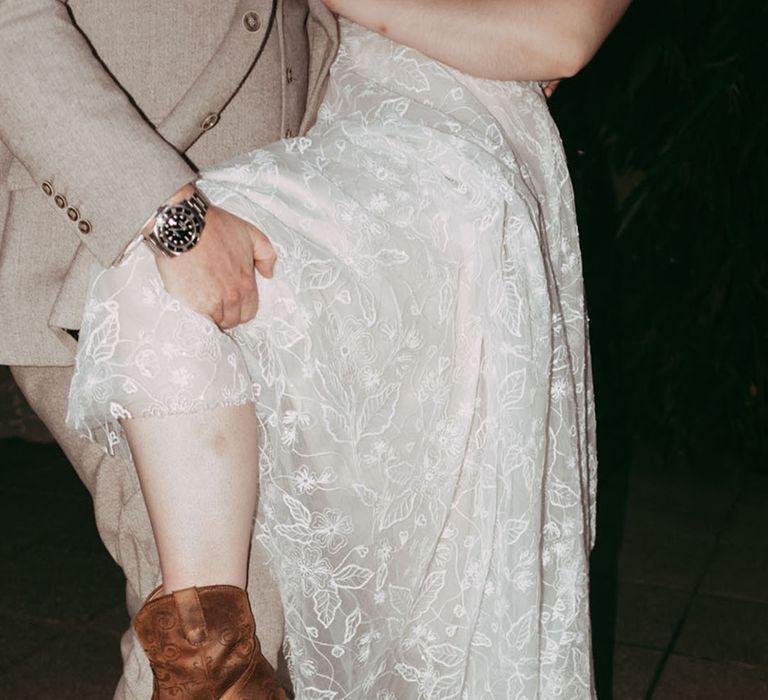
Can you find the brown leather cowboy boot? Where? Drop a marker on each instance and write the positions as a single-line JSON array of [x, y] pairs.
[[201, 645]]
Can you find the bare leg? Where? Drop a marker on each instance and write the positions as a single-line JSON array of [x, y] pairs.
[[199, 476]]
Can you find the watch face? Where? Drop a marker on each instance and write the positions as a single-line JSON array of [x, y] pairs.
[[178, 228]]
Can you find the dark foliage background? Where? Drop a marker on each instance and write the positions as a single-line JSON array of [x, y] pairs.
[[666, 137]]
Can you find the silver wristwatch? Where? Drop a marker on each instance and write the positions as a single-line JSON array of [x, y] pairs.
[[178, 227]]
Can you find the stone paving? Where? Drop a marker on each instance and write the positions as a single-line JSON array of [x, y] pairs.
[[679, 585]]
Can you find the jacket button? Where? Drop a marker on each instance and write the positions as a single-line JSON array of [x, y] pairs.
[[61, 201], [73, 214], [210, 121], [252, 21], [47, 188], [84, 226]]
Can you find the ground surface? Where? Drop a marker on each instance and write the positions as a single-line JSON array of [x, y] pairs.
[[679, 583]]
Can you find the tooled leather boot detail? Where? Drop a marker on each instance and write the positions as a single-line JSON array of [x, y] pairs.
[[201, 646]]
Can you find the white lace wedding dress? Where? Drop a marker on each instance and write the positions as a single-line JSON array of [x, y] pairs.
[[419, 364]]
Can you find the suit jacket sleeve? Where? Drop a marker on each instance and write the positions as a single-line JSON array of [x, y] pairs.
[[68, 122]]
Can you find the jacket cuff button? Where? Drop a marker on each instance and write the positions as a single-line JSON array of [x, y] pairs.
[[61, 201], [73, 214], [84, 226], [47, 188], [252, 21], [210, 121]]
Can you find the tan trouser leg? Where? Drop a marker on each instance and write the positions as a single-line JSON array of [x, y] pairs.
[[123, 524]]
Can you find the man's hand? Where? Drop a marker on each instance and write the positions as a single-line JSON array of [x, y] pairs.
[[216, 278]]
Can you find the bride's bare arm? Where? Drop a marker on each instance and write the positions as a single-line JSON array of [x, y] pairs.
[[500, 39]]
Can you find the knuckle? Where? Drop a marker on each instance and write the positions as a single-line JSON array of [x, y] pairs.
[[247, 281], [232, 297]]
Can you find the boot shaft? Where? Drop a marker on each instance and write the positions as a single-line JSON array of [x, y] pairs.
[[201, 645]]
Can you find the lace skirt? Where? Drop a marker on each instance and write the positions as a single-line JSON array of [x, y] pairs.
[[420, 372]]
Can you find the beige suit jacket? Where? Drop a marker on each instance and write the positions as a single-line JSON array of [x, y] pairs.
[[103, 106]]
